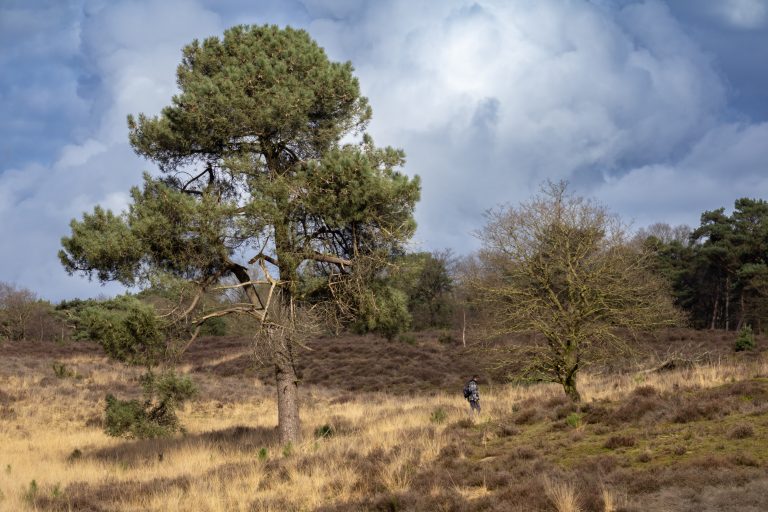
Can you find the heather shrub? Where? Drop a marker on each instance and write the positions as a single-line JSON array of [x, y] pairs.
[[619, 442], [741, 432], [62, 371]]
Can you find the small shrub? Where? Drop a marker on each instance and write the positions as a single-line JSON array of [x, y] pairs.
[[745, 340], [263, 454], [465, 423], [644, 457], [288, 450], [525, 453], [156, 416], [409, 339], [704, 408], [679, 450], [445, 337], [741, 432], [619, 442], [527, 416], [62, 371], [573, 420], [31, 492], [438, 415], [741, 459], [645, 391], [324, 431], [508, 431], [75, 455]]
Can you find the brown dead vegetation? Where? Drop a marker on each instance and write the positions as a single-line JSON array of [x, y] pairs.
[[682, 440]]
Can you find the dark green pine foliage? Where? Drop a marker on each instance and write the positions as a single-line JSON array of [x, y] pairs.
[[254, 171], [425, 278], [721, 277]]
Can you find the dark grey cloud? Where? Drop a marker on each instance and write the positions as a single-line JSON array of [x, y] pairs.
[[735, 33], [656, 108], [40, 106]]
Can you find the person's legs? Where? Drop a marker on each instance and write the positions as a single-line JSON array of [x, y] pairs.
[[474, 406]]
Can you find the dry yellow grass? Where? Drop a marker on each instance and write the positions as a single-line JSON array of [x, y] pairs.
[[562, 494], [215, 467]]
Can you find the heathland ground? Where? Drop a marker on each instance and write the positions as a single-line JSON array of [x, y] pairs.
[[385, 428]]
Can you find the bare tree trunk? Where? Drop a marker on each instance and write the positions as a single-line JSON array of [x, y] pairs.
[[714, 311], [569, 385], [289, 424], [571, 366]]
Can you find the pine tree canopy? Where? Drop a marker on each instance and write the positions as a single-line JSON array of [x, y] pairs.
[[256, 166]]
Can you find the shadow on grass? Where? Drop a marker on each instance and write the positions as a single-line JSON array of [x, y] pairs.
[[239, 438]]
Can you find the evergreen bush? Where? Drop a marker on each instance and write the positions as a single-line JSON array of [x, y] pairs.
[[745, 340], [156, 416]]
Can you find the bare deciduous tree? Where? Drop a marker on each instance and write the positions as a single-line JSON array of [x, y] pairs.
[[25, 317], [560, 267]]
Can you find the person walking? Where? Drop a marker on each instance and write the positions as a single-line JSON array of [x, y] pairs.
[[472, 394]]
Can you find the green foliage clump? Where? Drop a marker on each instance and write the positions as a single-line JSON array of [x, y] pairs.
[[445, 337], [574, 420], [324, 431], [62, 371], [384, 310], [126, 327], [426, 280], [438, 415], [745, 340], [215, 326], [156, 416], [31, 492]]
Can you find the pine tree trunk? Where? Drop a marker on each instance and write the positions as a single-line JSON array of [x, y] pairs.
[[741, 310], [727, 302], [714, 311], [287, 382], [289, 425]]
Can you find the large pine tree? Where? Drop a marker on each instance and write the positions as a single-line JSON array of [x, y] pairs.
[[257, 187]]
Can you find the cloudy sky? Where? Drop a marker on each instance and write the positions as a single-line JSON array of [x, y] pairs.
[[657, 108]]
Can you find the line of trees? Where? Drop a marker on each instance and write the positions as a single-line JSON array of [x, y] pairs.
[[24, 316], [718, 271]]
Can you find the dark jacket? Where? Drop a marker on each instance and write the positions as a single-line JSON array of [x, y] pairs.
[[471, 391]]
